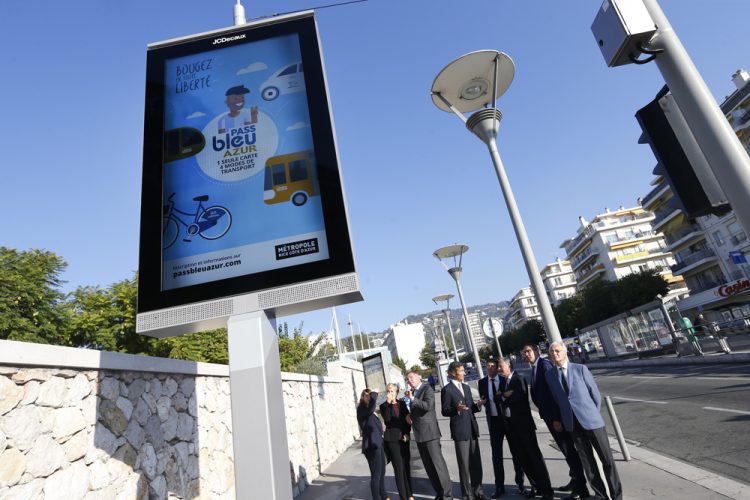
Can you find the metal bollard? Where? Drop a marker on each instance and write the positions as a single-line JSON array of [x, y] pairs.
[[618, 430]]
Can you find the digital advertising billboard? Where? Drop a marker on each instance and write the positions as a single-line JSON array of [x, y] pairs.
[[241, 183]]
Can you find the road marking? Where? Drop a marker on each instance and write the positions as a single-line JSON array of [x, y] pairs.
[[721, 379], [640, 400], [652, 376], [727, 410]]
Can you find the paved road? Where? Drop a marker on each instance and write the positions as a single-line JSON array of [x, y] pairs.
[[698, 414]]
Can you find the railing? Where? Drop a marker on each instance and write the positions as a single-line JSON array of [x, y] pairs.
[[664, 211], [693, 258], [651, 196], [675, 237], [738, 238]]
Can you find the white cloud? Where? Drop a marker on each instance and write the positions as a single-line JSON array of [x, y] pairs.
[[258, 66], [297, 126], [197, 114]]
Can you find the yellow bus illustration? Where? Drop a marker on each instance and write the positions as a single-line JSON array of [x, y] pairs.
[[290, 177]]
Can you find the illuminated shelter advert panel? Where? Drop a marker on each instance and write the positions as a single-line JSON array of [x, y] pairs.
[[248, 201]]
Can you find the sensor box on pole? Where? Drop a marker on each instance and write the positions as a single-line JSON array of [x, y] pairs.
[[619, 27]]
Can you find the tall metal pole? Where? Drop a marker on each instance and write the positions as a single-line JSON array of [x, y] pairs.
[[455, 273], [337, 332], [548, 317], [446, 353], [447, 313], [725, 154]]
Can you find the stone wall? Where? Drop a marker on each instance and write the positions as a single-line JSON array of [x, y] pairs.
[[81, 424], [321, 418]]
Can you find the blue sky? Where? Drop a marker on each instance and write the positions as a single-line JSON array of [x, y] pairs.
[[72, 91]]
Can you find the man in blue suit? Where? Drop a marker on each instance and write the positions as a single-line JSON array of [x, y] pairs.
[[577, 395], [459, 405], [550, 412]]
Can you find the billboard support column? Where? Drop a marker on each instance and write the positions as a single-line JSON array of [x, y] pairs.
[[261, 453]]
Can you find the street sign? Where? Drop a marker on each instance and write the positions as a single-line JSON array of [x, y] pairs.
[[738, 257], [487, 328]]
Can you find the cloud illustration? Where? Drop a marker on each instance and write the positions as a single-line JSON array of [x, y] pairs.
[[297, 126], [197, 114], [258, 66]]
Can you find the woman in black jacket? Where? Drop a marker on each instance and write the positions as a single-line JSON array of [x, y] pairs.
[[397, 428], [372, 442]]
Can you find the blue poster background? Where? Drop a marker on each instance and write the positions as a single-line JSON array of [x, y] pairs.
[[230, 170]]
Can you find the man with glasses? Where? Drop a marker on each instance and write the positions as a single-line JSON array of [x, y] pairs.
[[550, 412], [579, 400]]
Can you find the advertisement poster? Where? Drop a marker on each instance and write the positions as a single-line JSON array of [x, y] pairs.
[[240, 189]]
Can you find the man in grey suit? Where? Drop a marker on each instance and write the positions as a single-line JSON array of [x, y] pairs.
[[576, 393], [424, 425], [458, 404]]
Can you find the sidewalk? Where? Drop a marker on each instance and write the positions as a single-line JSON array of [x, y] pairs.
[[647, 475]]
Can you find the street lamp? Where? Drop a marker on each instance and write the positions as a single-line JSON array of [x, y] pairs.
[[475, 81], [456, 253], [447, 311]]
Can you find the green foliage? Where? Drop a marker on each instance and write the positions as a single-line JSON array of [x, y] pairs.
[[208, 347], [31, 307], [104, 318], [427, 357], [293, 349], [531, 332], [603, 299], [400, 363]]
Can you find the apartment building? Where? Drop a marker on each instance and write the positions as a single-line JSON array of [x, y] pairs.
[[475, 327], [405, 341], [616, 244], [523, 307], [709, 250], [559, 281]]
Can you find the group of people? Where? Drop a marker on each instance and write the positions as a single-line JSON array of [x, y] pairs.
[[565, 394]]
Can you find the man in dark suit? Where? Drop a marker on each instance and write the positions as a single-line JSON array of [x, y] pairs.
[[458, 404], [488, 387], [424, 425], [550, 412], [579, 400], [519, 425]]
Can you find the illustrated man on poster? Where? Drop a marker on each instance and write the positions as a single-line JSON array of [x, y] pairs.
[[238, 115]]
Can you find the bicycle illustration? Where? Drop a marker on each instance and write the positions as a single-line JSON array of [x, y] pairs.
[[209, 223]]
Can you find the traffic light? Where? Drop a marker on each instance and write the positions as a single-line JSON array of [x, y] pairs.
[[681, 161]]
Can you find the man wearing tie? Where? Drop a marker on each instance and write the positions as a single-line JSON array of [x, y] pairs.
[[458, 404], [427, 435], [578, 397], [488, 387], [549, 411], [519, 425]]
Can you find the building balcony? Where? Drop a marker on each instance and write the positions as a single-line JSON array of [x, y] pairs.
[[633, 238], [667, 212], [584, 257], [738, 238], [695, 261], [687, 236], [654, 195], [589, 275]]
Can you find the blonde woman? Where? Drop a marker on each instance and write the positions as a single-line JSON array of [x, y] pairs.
[[396, 437], [372, 443]]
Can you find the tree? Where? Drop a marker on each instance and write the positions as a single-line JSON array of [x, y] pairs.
[[400, 363], [603, 299], [31, 304], [104, 318], [293, 349], [427, 357], [211, 346]]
